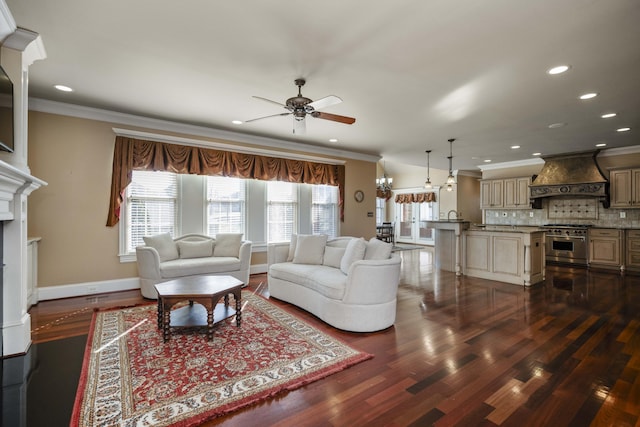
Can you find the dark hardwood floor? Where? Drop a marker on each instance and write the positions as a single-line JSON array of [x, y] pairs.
[[463, 351]]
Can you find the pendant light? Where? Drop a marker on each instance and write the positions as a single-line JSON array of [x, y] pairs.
[[427, 183], [451, 180]]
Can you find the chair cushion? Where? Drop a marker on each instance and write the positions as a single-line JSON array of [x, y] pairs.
[[195, 249], [354, 252], [377, 249], [327, 281], [227, 244], [164, 244], [309, 249]]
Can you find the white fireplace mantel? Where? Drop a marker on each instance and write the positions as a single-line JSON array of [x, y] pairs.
[[13, 183]]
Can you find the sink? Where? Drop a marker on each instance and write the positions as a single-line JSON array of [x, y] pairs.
[[453, 220]]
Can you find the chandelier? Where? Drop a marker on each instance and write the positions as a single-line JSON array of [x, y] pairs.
[[427, 183], [383, 185], [451, 180]]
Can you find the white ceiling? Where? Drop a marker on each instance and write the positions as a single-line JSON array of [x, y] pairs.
[[413, 73]]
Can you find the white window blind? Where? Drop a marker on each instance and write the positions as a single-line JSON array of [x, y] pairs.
[[380, 210], [225, 205], [324, 210], [151, 206], [281, 210]]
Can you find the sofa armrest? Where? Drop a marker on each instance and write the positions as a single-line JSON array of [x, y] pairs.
[[277, 252], [245, 254], [148, 261], [373, 281]]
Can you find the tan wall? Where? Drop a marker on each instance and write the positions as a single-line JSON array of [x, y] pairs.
[[468, 195], [74, 156]]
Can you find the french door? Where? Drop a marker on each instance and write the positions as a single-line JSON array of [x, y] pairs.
[[412, 222]]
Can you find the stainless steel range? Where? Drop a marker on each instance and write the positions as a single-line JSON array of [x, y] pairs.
[[566, 243]]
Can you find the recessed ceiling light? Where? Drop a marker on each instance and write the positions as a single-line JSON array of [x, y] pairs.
[[333, 140], [623, 129], [558, 70], [487, 160], [608, 115], [63, 88], [536, 154], [236, 122], [601, 144], [515, 147], [556, 125], [588, 95]]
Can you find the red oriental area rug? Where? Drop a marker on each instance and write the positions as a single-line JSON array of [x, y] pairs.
[[131, 377]]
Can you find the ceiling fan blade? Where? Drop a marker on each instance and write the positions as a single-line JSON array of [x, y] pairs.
[[266, 117], [268, 100], [336, 118], [325, 102], [299, 126]]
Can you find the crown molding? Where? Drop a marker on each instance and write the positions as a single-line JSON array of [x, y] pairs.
[[621, 151], [7, 23], [73, 110], [514, 164]]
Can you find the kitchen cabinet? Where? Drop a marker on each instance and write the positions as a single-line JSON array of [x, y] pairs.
[[516, 193], [506, 254], [625, 188], [605, 247], [508, 193], [632, 240], [491, 192]]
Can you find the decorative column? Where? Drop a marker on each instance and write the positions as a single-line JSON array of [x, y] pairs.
[[20, 48]]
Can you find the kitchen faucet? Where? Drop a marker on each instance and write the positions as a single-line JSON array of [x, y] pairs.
[[450, 212]]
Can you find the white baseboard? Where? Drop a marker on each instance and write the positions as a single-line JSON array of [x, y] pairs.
[[258, 268], [91, 288]]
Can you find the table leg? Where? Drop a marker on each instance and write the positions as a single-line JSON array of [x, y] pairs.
[[159, 312], [238, 298], [210, 321], [226, 300], [166, 321]]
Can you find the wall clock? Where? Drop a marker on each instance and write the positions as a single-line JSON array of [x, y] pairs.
[[358, 195]]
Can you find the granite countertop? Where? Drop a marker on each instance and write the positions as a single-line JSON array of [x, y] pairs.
[[505, 228]]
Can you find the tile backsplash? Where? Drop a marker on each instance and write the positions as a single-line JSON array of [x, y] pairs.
[[557, 210]]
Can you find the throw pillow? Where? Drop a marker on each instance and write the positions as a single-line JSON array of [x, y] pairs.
[[310, 249], [292, 247], [377, 249], [195, 249], [353, 252], [332, 256], [164, 244], [227, 244]]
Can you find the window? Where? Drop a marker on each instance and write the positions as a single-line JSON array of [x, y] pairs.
[[281, 211], [380, 210], [225, 205], [324, 210], [150, 206]]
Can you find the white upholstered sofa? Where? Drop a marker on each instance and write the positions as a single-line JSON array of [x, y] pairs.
[[348, 282], [163, 258]]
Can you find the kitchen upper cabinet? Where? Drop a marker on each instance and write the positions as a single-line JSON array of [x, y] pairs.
[[516, 193], [625, 188], [491, 192], [508, 193]]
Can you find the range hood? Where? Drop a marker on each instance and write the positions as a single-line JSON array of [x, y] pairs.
[[571, 174]]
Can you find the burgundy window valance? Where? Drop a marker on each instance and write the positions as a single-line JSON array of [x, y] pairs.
[[415, 198], [135, 154]]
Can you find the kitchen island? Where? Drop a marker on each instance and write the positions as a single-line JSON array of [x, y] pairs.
[[448, 244], [511, 254]]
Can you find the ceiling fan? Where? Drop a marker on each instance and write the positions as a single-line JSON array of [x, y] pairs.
[[299, 107]]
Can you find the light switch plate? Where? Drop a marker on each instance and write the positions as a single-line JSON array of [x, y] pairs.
[[623, 214]]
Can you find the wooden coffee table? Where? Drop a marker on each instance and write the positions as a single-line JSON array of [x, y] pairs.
[[205, 290]]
